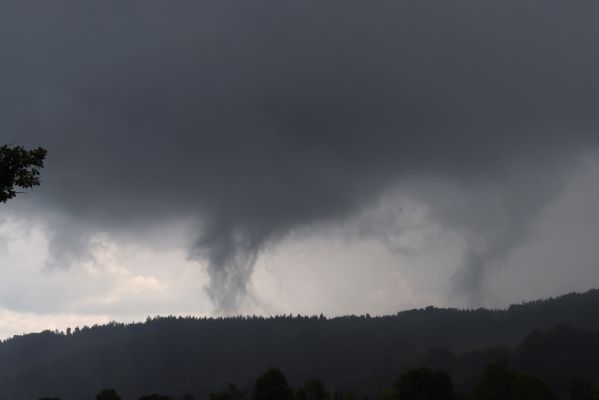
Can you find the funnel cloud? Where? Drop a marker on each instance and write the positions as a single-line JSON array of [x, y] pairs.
[[255, 120]]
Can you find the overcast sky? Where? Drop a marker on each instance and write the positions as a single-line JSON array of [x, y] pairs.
[[225, 157]]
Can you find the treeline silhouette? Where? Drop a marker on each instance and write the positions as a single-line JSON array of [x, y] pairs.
[[497, 382], [554, 340]]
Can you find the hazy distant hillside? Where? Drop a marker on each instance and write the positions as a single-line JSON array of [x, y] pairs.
[[198, 356]]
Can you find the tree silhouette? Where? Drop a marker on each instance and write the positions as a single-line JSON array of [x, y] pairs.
[[232, 392], [527, 386], [155, 396], [272, 386], [498, 383], [425, 384], [495, 382], [340, 350], [313, 389], [108, 394], [19, 168], [583, 390]]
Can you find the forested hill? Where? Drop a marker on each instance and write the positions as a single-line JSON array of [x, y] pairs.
[[198, 356]]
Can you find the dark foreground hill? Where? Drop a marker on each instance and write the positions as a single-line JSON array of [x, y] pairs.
[[359, 353]]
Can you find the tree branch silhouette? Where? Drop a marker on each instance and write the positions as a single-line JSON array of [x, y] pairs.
[[19, 168]]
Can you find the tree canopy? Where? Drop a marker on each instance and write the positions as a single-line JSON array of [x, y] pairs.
[[353, 356], [313, 389], [19, 168], [272, 385], [425, 384], [498, 382], [108, 394]]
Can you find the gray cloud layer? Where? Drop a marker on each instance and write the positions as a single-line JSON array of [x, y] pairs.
[[257, 118]]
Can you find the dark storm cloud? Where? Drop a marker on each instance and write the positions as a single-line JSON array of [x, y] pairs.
[[257, 118]]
